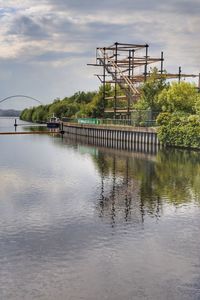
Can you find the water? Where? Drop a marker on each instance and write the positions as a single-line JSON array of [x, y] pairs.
[[82, 222], [7, 125]]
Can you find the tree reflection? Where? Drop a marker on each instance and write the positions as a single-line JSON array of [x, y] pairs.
[[134, 186]]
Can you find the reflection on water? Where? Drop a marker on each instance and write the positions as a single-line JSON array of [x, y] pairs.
[[172, 176], [84, 222], [114, 144]]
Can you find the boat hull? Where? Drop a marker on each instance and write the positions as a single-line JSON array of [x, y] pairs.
[[53, 125]]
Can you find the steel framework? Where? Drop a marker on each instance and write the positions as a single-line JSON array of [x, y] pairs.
[[127, 66]]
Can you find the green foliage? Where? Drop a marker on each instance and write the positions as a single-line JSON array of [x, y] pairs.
[[197, 106], [81, 104], [150, 92], [68, 107], [179, 104], [181, 96], [27, 114], [95, 107], [82, 97], [179, 125], [179, 130], [163, 118]]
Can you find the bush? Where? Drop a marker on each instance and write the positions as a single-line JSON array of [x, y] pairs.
[[180, 130]]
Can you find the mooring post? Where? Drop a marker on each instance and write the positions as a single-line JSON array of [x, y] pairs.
[[161, 64], [179, 74], [62, 129]]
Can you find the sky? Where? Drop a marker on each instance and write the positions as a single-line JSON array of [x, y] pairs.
[[45, 45]]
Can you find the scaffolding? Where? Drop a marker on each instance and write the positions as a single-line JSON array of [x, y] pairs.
[[127, 66]]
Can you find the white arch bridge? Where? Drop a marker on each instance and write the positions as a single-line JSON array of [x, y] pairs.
[[20, 96]]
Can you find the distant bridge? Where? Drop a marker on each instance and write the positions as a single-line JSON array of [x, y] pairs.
[[20, 96]]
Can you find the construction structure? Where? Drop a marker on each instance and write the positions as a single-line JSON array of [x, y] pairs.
[[126, 66]]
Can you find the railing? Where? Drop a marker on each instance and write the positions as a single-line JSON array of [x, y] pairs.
[[111, 122]]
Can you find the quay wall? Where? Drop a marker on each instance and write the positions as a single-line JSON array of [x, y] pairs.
[[125, 134]]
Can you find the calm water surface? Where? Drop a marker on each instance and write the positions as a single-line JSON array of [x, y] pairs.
[[82, 222]]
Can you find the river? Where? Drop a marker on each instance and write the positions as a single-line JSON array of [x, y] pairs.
[[92, 223]]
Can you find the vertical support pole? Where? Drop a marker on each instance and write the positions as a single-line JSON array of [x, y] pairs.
[[115, 98], [146, 63], [129, 64], [129, 76], [161, 64], [179, 75], [133, 62], [97, 56], [104, 81]]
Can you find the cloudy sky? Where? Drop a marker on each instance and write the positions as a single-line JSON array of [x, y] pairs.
[[45, 45]]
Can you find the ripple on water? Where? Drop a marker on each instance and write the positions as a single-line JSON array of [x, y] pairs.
[[82, 224]]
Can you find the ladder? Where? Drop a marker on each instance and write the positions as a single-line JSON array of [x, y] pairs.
[[118, 76]]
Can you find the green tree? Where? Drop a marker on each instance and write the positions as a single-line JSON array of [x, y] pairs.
[[181, 96], [150, 91], [197, 106], [95, 108], [179, 129]]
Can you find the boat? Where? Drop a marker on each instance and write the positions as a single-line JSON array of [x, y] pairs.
[[53, 122]]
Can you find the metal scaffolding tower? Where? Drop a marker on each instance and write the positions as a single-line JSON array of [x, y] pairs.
[[127, 66]]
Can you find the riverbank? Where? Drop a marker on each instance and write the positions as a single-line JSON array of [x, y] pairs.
[[187, 139]]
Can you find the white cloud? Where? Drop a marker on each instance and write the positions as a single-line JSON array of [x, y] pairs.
[[59, 33]]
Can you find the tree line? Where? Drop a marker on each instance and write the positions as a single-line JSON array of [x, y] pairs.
[[177, 106], [81, 104]]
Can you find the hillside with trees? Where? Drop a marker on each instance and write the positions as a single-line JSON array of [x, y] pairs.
[[9, 113]]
